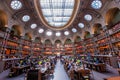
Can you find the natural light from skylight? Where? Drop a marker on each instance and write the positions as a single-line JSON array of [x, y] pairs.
[[57, 12]]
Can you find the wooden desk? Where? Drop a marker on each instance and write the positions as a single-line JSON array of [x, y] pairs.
[[113, 78], [83, 73], [18, 70], [98, 67]]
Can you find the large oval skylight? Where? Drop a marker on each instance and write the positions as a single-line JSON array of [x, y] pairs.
[[41, 30], [88, 17], [58, 34], [16, 4], [96, 4], [74, 30], [66, 33], [81, 25], [26, 18], [57, 12], [33, 26], [49, 33]]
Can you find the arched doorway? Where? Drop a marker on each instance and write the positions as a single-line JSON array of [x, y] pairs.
[[58, 47], [78, 48], [68, 47], [48, 47]]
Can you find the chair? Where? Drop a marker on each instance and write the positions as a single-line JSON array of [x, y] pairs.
[[12, 72], [32, 75], [84, 74]]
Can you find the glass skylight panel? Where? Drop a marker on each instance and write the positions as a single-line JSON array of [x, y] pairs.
[[69, 4], [58, 34], [57, 24], [65, 19], [55, 11], [33, 26], [88, 17], [66, 33], [16, 4], [49, 19], [68, 12], [57, 19], [41, 30], [74, 30], [47, 12], [49, 33], [96, 4], [26, 18], [81, 25]]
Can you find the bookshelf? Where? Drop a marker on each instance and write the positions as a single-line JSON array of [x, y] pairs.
[[68, 49], [79, 47], [89, 45]]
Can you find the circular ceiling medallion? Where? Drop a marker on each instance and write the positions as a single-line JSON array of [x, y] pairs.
[[49, 33], [81, 25], [16, 4], [25, 18], [57, 14], [66, 33], [33, 26], [58, 34], [88, 17], [74, 30], [96, 4], [41, 30]]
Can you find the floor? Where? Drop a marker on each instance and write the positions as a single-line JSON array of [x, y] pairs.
[[20, 77], [60, 74], [101, 76]]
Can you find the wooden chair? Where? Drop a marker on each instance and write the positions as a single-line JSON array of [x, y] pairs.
[[84, 74], [71, 75], [32, 75]]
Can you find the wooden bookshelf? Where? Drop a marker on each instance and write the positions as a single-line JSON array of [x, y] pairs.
[[89, 45], [79, 47], [68, 48], [48, 49]]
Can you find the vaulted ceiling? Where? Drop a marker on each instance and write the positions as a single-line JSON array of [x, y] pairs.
[[85, 16]]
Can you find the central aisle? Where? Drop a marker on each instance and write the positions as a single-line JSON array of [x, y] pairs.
[[60, 73]]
